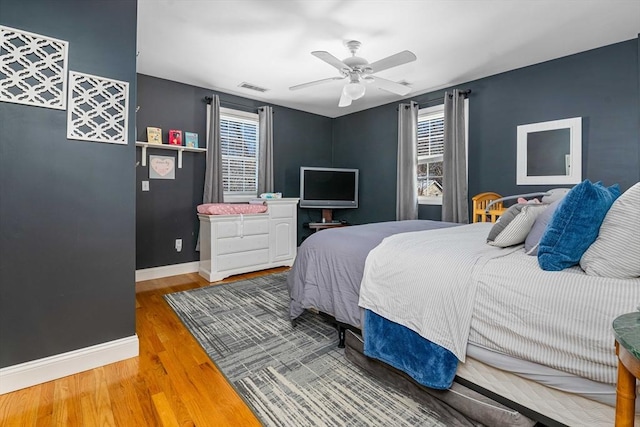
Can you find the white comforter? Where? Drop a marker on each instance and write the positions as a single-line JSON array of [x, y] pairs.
[[451, 288], [425, 281]]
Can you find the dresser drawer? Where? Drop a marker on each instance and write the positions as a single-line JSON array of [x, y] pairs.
[[282, 211], [241, 260], [244, 227], [234, 245]]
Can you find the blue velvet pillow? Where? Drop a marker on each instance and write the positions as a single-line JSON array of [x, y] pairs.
[[575, 225]]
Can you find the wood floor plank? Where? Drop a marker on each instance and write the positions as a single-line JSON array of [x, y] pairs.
[[21, 409], [163, 410], [45, 404], [126, 406], [171, 382], [64, 404]]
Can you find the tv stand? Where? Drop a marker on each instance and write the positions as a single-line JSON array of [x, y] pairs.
[[327, 215], [317, 226]]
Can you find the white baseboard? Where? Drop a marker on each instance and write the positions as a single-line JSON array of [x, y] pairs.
[[61, 365], [166, 271]]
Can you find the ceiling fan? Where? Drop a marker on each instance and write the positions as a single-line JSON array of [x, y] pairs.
[[360, 72]]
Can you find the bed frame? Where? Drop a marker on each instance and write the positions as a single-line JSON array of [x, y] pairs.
[[534, 401]]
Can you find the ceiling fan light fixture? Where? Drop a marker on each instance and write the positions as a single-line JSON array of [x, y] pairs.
[[354, 90]]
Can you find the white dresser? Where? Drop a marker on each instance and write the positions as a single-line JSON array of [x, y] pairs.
[[234, 244]]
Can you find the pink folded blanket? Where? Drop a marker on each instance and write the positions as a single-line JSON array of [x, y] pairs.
[[230, 208]]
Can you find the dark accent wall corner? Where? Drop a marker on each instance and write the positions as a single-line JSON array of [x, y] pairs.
[[67, 207], [368, 140], [168, 211]]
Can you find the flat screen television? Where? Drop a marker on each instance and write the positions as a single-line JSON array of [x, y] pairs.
[[328, 188]]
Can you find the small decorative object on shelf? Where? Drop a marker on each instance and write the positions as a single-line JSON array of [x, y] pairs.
[[154, 135], [175, 137], [191, 139]]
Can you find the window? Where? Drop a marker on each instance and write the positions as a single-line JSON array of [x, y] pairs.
[[430, 150], [239, 147]]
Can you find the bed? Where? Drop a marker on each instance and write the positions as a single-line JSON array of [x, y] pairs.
[[328, 269], [547, 349]]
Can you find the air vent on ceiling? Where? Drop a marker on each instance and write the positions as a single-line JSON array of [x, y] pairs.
[[249, 86]]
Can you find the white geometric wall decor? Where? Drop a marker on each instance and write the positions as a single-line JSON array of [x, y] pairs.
[[33, 69], [98, 109]]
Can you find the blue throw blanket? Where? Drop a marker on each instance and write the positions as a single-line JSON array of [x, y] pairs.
[[427, 363]]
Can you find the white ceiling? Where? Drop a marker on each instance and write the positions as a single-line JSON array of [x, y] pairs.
[[219, 44]]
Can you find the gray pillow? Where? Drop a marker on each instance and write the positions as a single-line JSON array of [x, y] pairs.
[[534, 236], [555, 194], [616, 251], [514, 225]]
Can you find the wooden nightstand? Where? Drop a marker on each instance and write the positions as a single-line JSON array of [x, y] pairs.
[[626, 329]]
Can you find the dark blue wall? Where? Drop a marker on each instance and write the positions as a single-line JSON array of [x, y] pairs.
[[168, 211], [600, 85], [67, 208], [368, 141]]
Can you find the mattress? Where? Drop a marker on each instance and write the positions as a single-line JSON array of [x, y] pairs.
[[563, 381], [564, 407], [567, 408]]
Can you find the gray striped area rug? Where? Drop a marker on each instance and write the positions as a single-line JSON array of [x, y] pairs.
[[291, 375]]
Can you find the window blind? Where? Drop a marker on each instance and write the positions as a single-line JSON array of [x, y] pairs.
[[430, 136], [239, 146]]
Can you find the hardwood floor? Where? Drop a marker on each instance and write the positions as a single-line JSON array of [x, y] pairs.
[[171, 383]]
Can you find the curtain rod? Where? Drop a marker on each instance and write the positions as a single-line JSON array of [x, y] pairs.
[[462, 92], [209, 99]]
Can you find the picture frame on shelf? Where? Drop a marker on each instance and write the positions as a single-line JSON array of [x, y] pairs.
[[191, 139], [175, 137], [154, 135]]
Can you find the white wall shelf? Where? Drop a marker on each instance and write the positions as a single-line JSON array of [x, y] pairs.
[[178, 148]]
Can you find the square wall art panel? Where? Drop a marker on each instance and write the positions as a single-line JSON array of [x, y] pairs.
[[98, 109], [33, 69]]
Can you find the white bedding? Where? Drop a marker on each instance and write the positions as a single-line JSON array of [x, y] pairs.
[[424, 281], [451, 287], [558, 319]]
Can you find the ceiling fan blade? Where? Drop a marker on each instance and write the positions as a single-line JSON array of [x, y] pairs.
[[345, 101], [393, 61], [331, 60], [390, 86], [316, 82]]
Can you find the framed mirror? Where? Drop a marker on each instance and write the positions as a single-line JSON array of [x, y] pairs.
[[550, 152]]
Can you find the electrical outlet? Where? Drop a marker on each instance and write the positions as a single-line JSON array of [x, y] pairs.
[[178, 245], [145, 185]]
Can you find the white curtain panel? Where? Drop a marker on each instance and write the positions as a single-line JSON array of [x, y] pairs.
[[407, 190], [455, 203]]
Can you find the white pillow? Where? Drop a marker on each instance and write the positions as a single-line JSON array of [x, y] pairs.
[[514, 225], [616, 251]]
